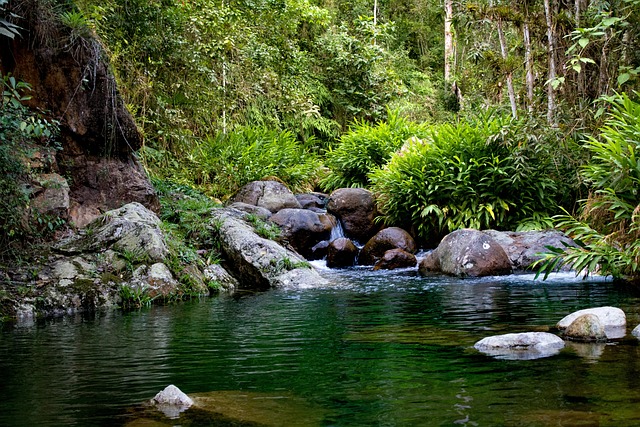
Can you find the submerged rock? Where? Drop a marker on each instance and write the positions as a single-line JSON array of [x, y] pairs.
[[172, 401], [467, 252], [395, 258], [521, 346]]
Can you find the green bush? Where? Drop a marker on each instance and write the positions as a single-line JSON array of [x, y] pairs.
[[221, 165], [485, 173], [365, 148], [608, 231]]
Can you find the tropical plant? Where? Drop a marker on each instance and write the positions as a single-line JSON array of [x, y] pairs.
[[484, 173], [608, 230], [366, 147]]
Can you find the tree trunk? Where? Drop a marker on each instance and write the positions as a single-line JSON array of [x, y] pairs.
[[528, 63], [505, 55], [448, 40], [551, 42]]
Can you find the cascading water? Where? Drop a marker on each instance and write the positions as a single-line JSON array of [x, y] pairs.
[[337, 231]]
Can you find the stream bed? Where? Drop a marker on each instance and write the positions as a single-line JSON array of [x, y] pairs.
[[369, 349]]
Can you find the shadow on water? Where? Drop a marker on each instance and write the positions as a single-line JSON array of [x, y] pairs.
[[369, 348]]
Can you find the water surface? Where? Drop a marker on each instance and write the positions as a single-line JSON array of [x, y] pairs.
[[371, 348]]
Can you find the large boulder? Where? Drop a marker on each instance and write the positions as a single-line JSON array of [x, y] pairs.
[[313, 201], [467, 252], [302, 229], [521, 346], [356, 209], [524, 247], [132, 229], [260, 212], [384, 240], [395, 258], [154, 281], [271, 195], [612, 318], [341, 252], [257, 262]]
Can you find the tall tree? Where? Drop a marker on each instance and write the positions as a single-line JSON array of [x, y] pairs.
[[551, 50]]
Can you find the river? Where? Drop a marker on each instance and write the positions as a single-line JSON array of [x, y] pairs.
[[369, 349]]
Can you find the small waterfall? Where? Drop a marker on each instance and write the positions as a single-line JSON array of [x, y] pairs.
[[337, 231]]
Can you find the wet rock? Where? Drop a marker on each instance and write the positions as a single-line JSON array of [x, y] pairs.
[[259, 262], [155, 280], [521, 346], [172, 401], [395, 258], [301, 228], [341, 252], [319, 250], [467, 252], [586, 327], [384, 240], [356, 209], [612, 318], [523, 248], [220, 278], [636, 332], [260, 212], [132, 229], [270, 195]]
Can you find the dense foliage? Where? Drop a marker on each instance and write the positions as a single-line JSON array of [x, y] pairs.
[[484, 173], [608, 231]]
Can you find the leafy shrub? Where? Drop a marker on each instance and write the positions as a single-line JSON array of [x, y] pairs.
[[365, 148], [485, 173], [221, 165], [608, 231]]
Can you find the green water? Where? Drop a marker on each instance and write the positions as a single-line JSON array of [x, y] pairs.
[[371, 349]]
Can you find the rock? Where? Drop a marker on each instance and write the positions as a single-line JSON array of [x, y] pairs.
[[51, 195], [467, 252], [395, 258], [271, 195], [341, 252], [220, 278], [384, 240], [155, 281], [260, 212], [586, 327], [312, 200], [132, 229], [259, 262], [194, 280], [302, 229], [172, 401], [356, 209], [613, 319], [523, 248], [319, 250], [521, 346]]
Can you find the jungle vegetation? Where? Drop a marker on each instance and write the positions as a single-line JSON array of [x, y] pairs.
[[476, 113]]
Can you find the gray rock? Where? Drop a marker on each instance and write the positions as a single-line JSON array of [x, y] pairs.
[[133, 229], [521, 346], [636, 332], [384, 240], [467, 252], [51, 195], [612, 318], [172, 401], [524, 248], [260, 212], [302, 229], [220, 276], [356, 209], [312, 200], [271, 195], [260, 263], [586, 327]]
